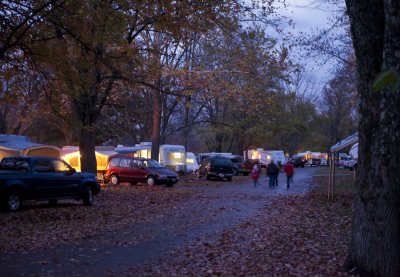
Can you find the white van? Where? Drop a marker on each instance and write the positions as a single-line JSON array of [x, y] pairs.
[[191, 163]]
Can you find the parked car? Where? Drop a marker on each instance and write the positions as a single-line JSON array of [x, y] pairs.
[[216, 167], [298, 161], [43, 178], [313, 162], [350, 164], [138, 170], [248, 165], [238, 166]]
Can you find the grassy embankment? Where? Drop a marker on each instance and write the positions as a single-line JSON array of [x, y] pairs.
[[344, 180]]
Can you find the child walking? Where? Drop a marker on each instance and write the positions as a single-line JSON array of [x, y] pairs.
[[255, 174], [289, 170]]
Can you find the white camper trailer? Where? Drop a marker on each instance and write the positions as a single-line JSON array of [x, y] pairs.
[[265, 156], [191, 163], [277, 156], [257, 154], [173, 157]]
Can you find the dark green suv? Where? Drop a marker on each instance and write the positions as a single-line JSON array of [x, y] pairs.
[[216, 167]]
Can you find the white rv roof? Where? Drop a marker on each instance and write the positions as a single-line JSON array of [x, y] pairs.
[[354, 151]]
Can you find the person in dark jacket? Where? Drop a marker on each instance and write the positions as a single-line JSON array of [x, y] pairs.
[[272, 173], [289, 170]]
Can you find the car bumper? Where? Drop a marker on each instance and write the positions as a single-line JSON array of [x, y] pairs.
[[219, 175], [163, 180]]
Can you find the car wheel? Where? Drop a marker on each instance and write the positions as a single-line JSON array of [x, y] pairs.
[[229, 179], [114, 179], [234, 171], [150, 181], [88, 196], [53, 202], [13, 201]]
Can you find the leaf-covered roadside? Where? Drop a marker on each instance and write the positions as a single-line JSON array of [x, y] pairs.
[[294, 236], [39, 225]]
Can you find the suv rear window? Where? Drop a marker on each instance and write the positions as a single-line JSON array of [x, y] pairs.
[[221, 161], [237, 160]]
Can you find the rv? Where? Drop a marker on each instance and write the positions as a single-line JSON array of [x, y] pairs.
[[277, 156], [351, 163], [257, 154], [191, 163], [265, 156], [173, 157]]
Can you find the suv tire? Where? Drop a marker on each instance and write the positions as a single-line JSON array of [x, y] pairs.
[[87, 196], [13, 201], [235, 171]]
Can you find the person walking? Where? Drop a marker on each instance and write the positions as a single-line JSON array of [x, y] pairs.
[[255, 174], [272, 173], [289, 170]]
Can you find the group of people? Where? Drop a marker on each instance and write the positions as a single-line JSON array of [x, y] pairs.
[[273, 173]]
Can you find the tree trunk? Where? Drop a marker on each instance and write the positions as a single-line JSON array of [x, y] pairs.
[[87, 149], [375, 244], [155, 134]]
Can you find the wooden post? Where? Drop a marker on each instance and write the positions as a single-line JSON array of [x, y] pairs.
[[330, 176]]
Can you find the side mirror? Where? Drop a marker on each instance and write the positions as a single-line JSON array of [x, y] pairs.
[[71, 171]]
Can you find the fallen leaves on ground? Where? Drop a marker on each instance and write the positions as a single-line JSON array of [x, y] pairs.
[[298, 235], [292, 236]]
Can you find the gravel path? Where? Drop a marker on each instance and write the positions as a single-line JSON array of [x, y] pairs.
[[214, 210]]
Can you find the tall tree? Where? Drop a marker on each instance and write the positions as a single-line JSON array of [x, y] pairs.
[[375, 243], [338, 105]]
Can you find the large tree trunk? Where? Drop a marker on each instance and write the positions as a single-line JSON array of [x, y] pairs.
[[155, 135], [87, 149], [375, 244]]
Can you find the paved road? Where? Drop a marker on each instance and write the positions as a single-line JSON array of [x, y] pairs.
[[214, 210]]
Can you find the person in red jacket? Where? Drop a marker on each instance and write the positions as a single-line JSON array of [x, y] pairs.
[[289, 170], [255, 174]]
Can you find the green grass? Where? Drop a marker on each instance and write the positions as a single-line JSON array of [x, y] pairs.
[[344, 180]]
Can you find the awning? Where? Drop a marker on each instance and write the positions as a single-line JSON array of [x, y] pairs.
[[345, 142]]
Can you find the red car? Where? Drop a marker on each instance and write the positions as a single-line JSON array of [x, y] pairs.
[[138, 170]]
